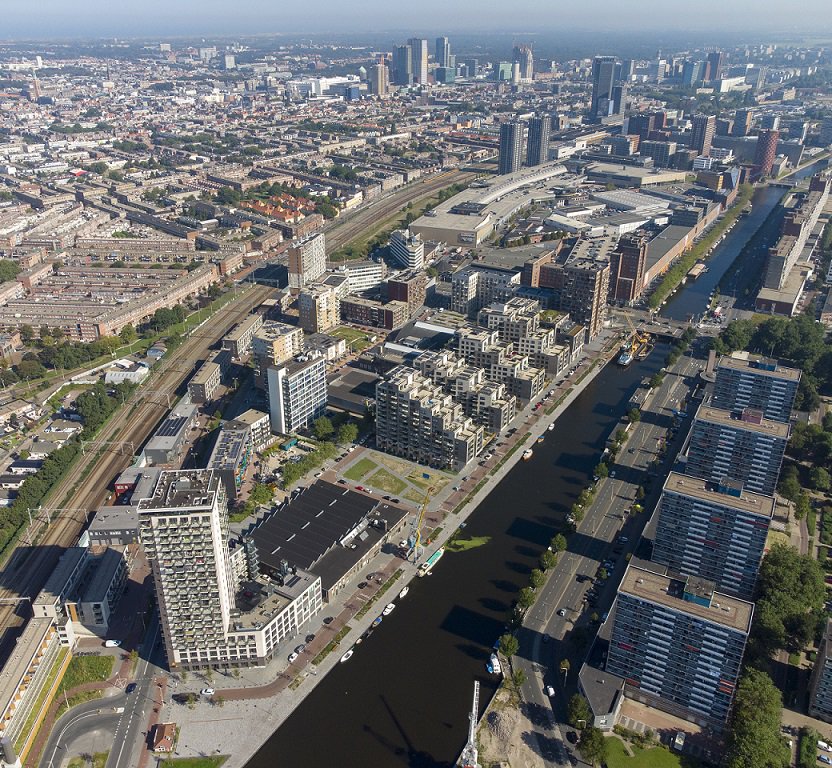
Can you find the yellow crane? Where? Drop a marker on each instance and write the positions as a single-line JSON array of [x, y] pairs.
[[416, 535]]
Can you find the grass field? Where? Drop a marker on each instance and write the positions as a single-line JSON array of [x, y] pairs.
[[194, 762], [86, 669], [356, 340], [361, 468], [657, 757], [412, 495], [387, 482]]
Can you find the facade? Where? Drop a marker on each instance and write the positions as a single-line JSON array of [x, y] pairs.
[[364, 275], [415, 419], [537, 148], [410, 288], [582, 283], [713, 530], [702, 133], [740, 446], [379, 79], [442, 52], [275, 343], [297, 394], [307, 261], [238, 342], [374, 314], [511, 147], [204, 383], [407, 249], [603, 76], [766, 151], [231, 456], [402, 65], [746, 381], [318, 308], [820, 688], [678, 644], [419, 56], [627, 266], [473, 288]]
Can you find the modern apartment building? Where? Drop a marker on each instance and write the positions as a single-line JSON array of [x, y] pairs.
[[297, 393], [213, 611], [307, 261], [702, 133], [537, 147], [627, 264], [417, 420], [512, 139], [238, 341], [473, 288], [713, 530], [747, 381], [410, 288], [319, 308], [364, 275], [820, 687], [765, 151], [741, 446], [677, 643], [231, 456], [407, 249]]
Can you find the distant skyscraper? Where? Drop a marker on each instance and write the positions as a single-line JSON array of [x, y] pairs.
[[524, 56], [402, 65], [702, 133], [619, 96], [419, 53], [627, 70], [742, 122], [714, 65], [692, 72], [307, 261], [379, 79], [511, 147], [766, 151], [442, 53], [603, 71], [537, 150]]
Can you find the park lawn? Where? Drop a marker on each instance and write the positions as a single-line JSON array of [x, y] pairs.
[[656, 757], [86, 669], [411, 494], [356, 340], [212, 761], [359, 469], [385, 481]]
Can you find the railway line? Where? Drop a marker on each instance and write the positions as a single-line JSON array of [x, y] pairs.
[[86, 484]]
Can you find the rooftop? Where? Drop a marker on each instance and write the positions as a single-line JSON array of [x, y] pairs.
[[762, 426], [759, 366], [707, 491], [15, 668], [183, 490]]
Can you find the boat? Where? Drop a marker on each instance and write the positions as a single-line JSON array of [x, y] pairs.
[[388, 609], [644, 351], [527, 454], [540, 439], [377, 620], [493, 665], [426, 567], [551, 427], [625, 358], [404, 592], [347, 656]]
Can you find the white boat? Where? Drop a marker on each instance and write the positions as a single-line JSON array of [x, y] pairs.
[[550, 427], [425, 568], [347, 656], [404, 592], [388, 609], [493, 665], [527, 454]]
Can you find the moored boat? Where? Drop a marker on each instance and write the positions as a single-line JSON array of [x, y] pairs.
[[347, 656], [426, 567], [527, 454], [404, 592]]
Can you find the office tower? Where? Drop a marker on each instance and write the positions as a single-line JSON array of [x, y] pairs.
[[297, 393], [820, 687], [677, 643], [445, 75], [537, 147], [742, 122], [229, 62], [524, 57], [641, 125], [442, 53], [627, 71], [619, 96], [407, 249], [184, 531], [713, 530], [419, 54], [714, 65], [307, 261], [747, 381], [766, 151], [473, 66], [379, 79], [419, 421], [702, 133], [660, 152], [692, 73], [511, 147], [770, 122], [318, 308], [603, 70], [627, 269], [402, 65], [741, 446]]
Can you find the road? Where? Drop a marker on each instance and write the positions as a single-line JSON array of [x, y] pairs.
[[101, 714], [77, 494], [545, 638]]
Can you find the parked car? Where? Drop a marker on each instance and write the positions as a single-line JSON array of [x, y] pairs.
[[112, 643], [207, 692], [293, 657]]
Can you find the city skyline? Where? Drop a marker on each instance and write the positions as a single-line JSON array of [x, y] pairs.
[[95, 17]]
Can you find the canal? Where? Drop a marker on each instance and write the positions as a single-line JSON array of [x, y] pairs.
[[403, 699], [693, 298]]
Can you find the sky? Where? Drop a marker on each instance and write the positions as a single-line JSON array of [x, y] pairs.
[[129, 18]]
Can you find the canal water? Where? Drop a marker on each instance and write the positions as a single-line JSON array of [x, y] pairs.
[[403, 698], [694, 297]]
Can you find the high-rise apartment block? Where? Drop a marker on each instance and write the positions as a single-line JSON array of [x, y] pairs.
[[410, 288], [273, 344], [742, 122], [627, 265], [702, 133], [739, 446], [419, 56], [677, 643], [297, 393], [537, 149], [766, 151], [417, 420], [713, 530], [511, 147], [473, 288], [307, 261], [318, 308], [820, 687], [407, 249], [603, 76], [746, 381]]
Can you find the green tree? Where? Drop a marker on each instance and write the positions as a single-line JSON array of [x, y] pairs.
[[601, 469], [819, 479], [593, 745], [525, 599], [789, 485], [578, 710], [633, 415], [9, 270], [128, 334], [322, 428], [261, 494], [518, 679], [347, 432], [27, 333], [558, 542], [548, 560], [537, 578], [509, 645], [754, 737]]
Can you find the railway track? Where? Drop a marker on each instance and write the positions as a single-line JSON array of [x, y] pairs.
[[29, 568]]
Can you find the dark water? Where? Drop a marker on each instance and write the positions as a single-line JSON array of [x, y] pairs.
[[403, 699], [693, 298]]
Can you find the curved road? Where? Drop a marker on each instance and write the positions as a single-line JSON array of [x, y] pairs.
[[101, 714]]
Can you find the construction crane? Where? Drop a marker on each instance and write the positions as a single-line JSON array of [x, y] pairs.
[[470, 756], [415, 539]]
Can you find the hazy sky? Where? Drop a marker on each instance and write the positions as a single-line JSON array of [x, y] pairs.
[[90, 18]]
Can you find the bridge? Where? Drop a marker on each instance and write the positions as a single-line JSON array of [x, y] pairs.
[[655, 325]]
